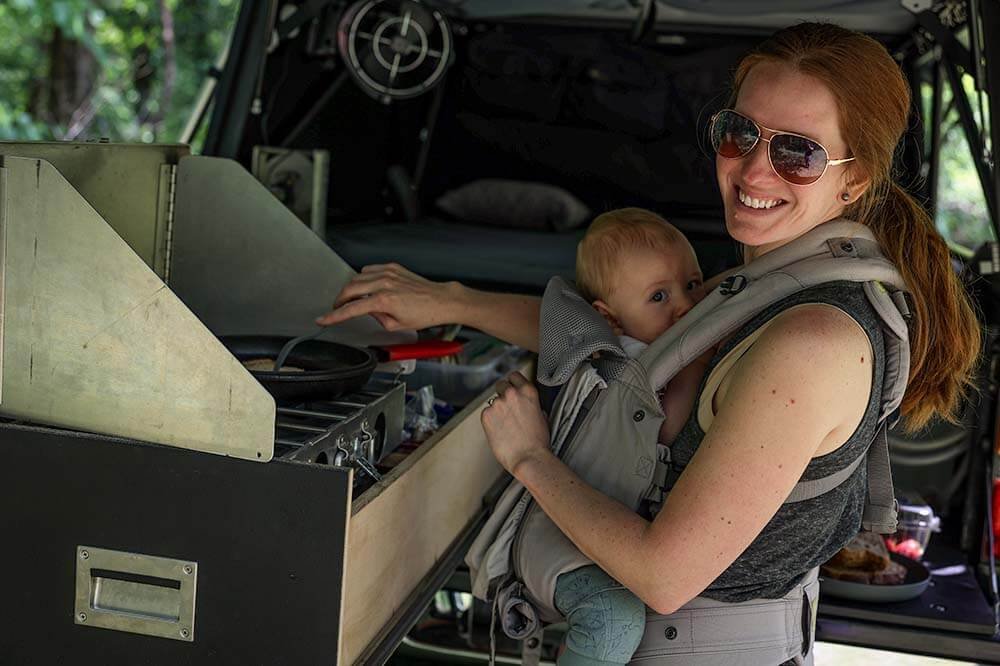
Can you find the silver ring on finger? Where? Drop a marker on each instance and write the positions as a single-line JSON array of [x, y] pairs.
[[489, 403]]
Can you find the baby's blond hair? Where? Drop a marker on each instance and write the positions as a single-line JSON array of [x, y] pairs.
[[599, 253]]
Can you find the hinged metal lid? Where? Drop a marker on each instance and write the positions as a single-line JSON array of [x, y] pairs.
[[93, 339]]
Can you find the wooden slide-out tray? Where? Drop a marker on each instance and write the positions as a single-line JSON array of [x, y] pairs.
[[400, 527]]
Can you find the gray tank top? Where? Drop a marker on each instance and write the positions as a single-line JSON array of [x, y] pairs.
[[804, 534]]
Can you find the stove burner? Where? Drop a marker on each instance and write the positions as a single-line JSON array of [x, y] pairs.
[[357, 430]]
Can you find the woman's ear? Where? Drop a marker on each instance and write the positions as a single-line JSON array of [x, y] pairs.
[[854, 187], [609, 316]]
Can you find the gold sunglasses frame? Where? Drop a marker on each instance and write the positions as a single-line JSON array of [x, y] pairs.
[[774, 133]]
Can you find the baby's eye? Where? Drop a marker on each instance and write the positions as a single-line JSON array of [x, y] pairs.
[[659, 296], [694, 284]]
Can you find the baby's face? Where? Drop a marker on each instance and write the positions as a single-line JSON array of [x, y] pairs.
[[653, 289]]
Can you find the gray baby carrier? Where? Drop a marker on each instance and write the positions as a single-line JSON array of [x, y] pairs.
[[605, 424]]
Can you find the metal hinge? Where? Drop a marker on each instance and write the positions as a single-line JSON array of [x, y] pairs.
[[169, 223], [4, 221]]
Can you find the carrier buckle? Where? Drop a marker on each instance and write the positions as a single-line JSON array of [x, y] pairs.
[[904, 303], [733, 284]]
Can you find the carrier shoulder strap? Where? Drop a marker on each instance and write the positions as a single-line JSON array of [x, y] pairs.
[[881, 508], [834, 251]]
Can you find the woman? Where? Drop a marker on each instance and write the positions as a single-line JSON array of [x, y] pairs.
[[802, 401]]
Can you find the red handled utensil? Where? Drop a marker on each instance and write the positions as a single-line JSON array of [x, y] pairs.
[[415, 350]]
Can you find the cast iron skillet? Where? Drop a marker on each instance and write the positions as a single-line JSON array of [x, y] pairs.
[[330, 369]]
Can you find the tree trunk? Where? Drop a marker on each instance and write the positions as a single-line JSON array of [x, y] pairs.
[[169, 67], [70, 83]]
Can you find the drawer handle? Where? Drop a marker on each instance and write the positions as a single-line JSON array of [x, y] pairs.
[[134, 593]]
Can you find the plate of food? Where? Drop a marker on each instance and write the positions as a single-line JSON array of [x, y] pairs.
[[865, 570]]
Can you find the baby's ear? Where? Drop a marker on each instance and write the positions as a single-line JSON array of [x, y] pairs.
[[609, 317]]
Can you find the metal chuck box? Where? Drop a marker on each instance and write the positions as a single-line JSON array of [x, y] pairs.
[[161, 508]]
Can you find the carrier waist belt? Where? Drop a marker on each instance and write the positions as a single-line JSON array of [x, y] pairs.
[[706, 632]]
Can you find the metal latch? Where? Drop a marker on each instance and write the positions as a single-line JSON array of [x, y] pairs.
[[139, 594], [361, 452]]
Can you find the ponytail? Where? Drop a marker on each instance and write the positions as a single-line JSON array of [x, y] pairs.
[[944, 331]]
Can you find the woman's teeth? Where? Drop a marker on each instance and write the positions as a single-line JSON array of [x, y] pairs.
[[758, 203]]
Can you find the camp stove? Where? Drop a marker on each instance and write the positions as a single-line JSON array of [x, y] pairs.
[[357, 430]]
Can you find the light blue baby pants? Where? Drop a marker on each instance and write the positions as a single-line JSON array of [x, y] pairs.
[[606, 621]]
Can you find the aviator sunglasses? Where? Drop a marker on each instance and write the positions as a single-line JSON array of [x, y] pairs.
[[797, 159]]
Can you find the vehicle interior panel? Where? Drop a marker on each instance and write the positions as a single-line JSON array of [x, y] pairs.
[[566, 107]]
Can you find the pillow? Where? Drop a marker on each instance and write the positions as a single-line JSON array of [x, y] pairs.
[[515, 204]]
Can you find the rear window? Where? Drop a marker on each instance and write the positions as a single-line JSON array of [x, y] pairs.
[[961, 215]]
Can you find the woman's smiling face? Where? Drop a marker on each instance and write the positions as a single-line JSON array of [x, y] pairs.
[[779, 97]]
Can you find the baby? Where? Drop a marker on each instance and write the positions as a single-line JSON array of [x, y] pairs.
[[641, 273]]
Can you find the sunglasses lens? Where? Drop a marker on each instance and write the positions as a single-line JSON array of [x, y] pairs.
[[797, 159], [733, 135]]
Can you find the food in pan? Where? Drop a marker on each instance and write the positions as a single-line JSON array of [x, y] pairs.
[[865, 560], [267, 365]]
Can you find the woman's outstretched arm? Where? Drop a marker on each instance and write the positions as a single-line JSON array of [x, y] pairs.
[[401, 299], [799, 388]]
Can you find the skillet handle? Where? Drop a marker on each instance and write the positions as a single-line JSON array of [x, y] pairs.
[[422, 349]]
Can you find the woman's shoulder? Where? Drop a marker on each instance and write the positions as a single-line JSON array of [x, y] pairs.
[[814, 336], [820, 354], [812, 323]]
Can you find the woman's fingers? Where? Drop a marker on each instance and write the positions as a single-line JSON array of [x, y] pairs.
[[501, 387], [388, 322], [513, 422], [380, 277], [391, 266], [352, 291], [517, 380], [397, 298], [350, 310], [513, 385], [362, 286]]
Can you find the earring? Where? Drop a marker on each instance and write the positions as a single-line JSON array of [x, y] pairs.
[[845, 196]]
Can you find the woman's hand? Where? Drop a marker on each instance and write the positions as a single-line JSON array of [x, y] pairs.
[[396, 298], [515, 426]]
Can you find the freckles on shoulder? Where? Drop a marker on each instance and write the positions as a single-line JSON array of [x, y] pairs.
[[805, 350], [820, 332]]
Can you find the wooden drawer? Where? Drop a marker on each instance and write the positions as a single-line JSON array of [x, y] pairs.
[[400, 528]]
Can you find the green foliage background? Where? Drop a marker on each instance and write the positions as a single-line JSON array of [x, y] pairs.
[[961, 214], [117, 60]]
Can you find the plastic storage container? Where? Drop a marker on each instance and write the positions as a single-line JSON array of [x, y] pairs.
[[916, 523], [482, 362]]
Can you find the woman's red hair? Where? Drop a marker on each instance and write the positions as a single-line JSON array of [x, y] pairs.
[[873, 105]]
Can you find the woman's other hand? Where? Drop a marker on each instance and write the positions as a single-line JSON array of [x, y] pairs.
[[396, 298], [401, 300], [515, 426]]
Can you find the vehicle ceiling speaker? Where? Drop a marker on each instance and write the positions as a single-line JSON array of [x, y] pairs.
[[394, 49]]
